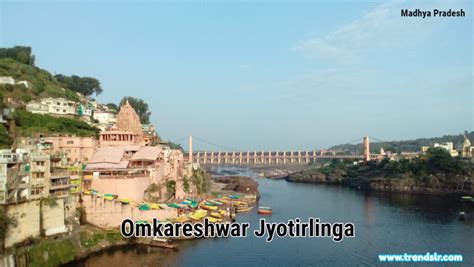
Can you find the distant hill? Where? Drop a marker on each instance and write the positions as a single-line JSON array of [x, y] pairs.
[[407, 145], [42, 83]]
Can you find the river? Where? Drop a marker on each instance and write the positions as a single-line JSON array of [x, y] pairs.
[[384, 223]]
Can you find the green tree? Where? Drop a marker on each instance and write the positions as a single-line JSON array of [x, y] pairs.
[[185, 184], [113, 106], [5, 140], [86, 86], [6, 222], [170, 188], [19, 53], [140, 106]]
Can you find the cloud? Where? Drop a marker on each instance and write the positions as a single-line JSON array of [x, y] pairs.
[[381, 27]]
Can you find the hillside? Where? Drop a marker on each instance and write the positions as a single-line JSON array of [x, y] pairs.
[[42, 83], [29, 124], [407, 145]]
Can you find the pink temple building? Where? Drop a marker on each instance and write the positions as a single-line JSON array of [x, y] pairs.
[[123, 165], [126, 130]]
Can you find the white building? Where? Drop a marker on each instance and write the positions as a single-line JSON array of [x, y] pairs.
[[52, 106], [448, 146], [104, 117]]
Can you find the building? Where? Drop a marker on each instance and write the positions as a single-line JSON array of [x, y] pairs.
[[23, 176], [467, 148], [104, 119], [149, 134], [448, 146], [76, 149], [129, 170], [84, 112], [30, 173], [52, 106], [127, 129]]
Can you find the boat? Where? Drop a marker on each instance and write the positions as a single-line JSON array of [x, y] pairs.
[[173, 205], [161, 239], [243, 209], [197, 216], [209, 203], [264, 210], [143, 206], [193, 204], [163, 245], [234, 196], [108, 197], [124, 201], [215, 202], [87, 192], [213, 220], [154, 206], [467, 199], [206, 207], [216, 215]]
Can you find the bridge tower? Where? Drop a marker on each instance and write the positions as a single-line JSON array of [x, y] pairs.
[[190, 145], [366, 149]]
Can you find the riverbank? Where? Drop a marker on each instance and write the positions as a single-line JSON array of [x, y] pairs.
[[376, 178]]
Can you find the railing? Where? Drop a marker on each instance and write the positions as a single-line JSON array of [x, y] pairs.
[[123, 176], [57, 175], [59, 186]]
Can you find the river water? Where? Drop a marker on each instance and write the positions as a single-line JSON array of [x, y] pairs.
[[384, 223]]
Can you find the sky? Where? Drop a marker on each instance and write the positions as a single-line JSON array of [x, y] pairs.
[[264, 75]]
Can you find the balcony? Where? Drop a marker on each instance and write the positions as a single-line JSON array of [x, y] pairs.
[[63, 185], [58, 175]]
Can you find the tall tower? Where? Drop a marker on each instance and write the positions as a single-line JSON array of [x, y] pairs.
[[190, 152], [366, 149]]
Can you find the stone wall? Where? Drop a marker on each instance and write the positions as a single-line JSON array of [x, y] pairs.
[[110, 214], [28, 220]]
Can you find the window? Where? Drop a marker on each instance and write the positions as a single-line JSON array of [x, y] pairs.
[[70, 142], [36, 191], [40, 163]]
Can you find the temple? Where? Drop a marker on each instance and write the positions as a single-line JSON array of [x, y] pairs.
[[125, 164], [127, 130]]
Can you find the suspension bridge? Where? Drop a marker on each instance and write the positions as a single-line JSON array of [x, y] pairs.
[[229, 156]]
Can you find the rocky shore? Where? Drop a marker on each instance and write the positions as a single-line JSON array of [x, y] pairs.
[[377, 180], [239, 184]]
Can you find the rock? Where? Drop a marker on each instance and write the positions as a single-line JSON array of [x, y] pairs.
[[307, 176], [276, 174], [241, 184]]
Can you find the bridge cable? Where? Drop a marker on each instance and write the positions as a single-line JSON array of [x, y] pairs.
[[213, 144]]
